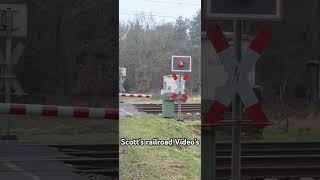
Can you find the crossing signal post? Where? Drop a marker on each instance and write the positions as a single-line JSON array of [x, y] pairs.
[[180, 64], [122, 78], [13, 22], [237, 88]]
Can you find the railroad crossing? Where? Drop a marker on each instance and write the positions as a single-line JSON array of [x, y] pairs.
[[262, 160], [236, 88], [51, 162], [277, 160], [180, 64], [237, 82], [34, 162]]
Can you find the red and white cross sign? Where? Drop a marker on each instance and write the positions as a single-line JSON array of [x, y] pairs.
[[180, 86], [237, 82]]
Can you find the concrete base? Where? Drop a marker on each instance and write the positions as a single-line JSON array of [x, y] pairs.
[[9, 137]]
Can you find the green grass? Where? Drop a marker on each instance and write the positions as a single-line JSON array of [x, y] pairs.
[[273, 134], [306, 129], [159, 162], [135, 100], [57, 130], [292, 135]]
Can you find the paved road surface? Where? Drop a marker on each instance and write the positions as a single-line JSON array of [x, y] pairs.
[[33, 162], [126, 110]]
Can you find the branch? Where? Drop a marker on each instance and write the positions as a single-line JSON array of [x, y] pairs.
[[83, 7]]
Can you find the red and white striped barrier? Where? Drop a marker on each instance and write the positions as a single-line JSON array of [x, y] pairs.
[[48, 110], [135, 95], [237, 82]]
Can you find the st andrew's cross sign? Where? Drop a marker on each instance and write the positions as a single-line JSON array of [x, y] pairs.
[[237, 82]]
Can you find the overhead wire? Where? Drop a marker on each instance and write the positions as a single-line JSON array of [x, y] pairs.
[[149, 13], [172, 2]]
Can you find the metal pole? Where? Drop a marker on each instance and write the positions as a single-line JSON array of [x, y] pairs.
[[120, 89], [236, 108], [314, 84], [208, 133], [121, 84], [179, 98], [9, 29]]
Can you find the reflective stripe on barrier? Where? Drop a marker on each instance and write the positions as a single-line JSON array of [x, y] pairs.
[[66, 111], [135, 95]]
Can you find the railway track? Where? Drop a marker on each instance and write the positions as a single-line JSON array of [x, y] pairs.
[[101, 159], [272, 159], [259, 159], [186, 108], [157, 108]]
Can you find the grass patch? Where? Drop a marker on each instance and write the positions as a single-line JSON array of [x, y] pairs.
[[49, 130], [291, 136], [299, 130], [135, 100], [159, 162]]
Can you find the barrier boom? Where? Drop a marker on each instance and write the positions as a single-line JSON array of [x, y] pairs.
[[65, 111]]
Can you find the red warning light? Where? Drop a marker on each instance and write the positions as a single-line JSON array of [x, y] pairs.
[[181, 63]]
